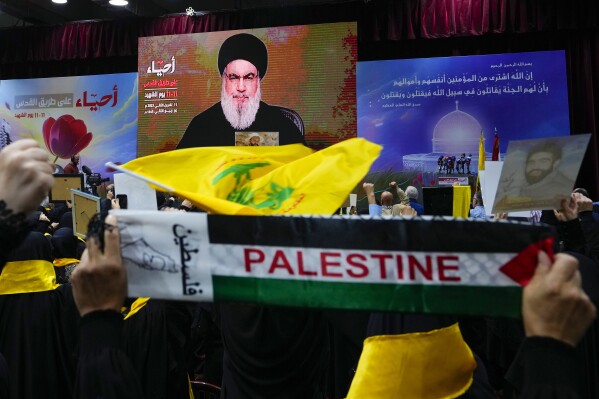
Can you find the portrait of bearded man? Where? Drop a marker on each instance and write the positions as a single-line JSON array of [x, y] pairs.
[[542, 173], [242, 64]]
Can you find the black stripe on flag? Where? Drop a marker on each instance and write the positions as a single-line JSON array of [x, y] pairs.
[[434, 234]]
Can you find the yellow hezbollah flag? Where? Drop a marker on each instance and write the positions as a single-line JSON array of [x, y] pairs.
[[482, 157], [289, 179], [431, 365], [481, 153]]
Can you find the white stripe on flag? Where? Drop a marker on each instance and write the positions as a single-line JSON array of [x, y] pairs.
[[358, 266]]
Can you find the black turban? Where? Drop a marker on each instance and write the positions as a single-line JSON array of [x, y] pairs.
[[243, 47]]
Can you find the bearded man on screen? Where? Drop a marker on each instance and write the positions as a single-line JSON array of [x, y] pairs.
[[242, 64]]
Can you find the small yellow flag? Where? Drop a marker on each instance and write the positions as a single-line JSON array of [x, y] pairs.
[[432, 365], [290, 179], [482, 156]]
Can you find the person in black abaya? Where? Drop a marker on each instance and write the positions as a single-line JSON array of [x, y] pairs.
[[67, 250], [25, 179], [273, 352], [39, 320], [156, 339], [99, 288]]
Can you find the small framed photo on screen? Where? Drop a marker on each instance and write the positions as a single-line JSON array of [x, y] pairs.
[[256, 139]]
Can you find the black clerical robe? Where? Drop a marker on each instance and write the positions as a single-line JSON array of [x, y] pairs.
[[211, 128]]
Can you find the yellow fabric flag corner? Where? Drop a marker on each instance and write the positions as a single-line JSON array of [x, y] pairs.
[[432, 365], [290, 179]]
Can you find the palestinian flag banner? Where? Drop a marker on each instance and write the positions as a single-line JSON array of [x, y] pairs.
[[430, 265]]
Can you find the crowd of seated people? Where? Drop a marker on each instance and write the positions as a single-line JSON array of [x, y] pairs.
[[69, 330], [386, 207]]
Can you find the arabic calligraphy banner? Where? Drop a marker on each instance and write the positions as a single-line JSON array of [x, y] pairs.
[[472, 270], [311, 70], [421, 109], [60, 113]]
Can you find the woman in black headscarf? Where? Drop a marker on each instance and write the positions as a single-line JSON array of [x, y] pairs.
[[39, 320], [67, 250], [25, 179]]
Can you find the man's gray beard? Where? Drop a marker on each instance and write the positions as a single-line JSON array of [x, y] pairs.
[[240, 117]]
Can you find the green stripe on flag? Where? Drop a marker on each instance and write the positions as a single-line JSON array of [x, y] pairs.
[[441, 299]]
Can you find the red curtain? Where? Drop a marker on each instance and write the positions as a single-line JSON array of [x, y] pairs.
[[378, 20], [412, 19]]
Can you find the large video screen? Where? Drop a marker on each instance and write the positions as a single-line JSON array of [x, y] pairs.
[[94, 116], [309, 70], [422, 109]]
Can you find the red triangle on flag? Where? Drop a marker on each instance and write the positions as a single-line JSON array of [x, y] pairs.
[[522, 267]]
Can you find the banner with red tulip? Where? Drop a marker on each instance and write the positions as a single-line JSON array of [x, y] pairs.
[[93, 116]]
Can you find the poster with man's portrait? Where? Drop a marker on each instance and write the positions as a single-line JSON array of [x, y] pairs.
[[538, 174], [305, 75]]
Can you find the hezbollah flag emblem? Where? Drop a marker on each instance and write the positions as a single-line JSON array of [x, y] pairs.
[[290, 179]]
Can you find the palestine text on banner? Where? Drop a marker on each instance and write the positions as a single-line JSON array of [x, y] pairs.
[[431, 266]]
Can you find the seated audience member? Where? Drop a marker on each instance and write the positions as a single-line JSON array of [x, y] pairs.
[[412, 194], [177, 205], [66, 221], [107, 204], [110, 191], [387, 208], [67, 251], [39, 222], [478, 209], [403, 197], [59, 209], [170, 204]]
